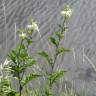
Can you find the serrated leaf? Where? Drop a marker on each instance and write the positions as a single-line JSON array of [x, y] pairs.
[[56, 75], [60, 26], [12, 56], [19, 69], [63, 29], [29, 41], [30, 78], [46, 56], [62, 50], [12, 93], [15, 70], [54, 41], [29, 64], [48, 91], [59, 35], [22, 54]]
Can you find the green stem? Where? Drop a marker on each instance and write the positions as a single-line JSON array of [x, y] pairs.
[[20, 87], [18, 64], [55, 58], [20, 77], [56, 53]]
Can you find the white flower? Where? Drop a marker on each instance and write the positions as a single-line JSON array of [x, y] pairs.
[[29, 26], [6, 62], [34, 26], [22, 35], [67, 12]]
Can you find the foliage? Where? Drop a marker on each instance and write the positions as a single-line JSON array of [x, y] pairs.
[[55, 76], [5, 89], [56, 39], [21, 61], [20, 58]]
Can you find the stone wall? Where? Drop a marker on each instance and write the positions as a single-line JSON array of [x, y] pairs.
[[81, 36]]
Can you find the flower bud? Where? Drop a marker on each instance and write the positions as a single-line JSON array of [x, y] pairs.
[[66, 12]]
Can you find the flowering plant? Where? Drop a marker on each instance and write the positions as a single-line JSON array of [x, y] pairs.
[[21, 61]]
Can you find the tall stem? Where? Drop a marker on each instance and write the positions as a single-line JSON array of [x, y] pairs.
[[20, 87], [56, 53], [55, 57], [18, 64]]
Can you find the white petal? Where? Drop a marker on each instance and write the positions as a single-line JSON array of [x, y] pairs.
[[29, 26]]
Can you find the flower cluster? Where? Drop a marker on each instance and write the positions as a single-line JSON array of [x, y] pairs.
[[22, 35], [67, 12], [33, 26], [29, 29]]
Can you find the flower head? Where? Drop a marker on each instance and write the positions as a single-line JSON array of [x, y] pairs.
[[66, 12], [33, 26], [29, 26], [22, 35]]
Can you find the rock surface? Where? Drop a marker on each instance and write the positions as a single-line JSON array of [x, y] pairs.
[[81, 36]]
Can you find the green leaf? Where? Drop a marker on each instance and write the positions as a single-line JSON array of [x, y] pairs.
[[56, 75], [22, 46], [4, 81], [30, 78], [62, 50], [29, 41], [15, 70], [48, 91], [28, 64], [12, 93], [54, 41], [60, 26], [19, 53], [63, 28], [13, 56], [59, 35], [19, 69], [46, 56], [5, 87], [22, 52]]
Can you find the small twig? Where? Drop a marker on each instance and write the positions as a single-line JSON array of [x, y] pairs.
[[91, 63], [15, 35], [3, 3]]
